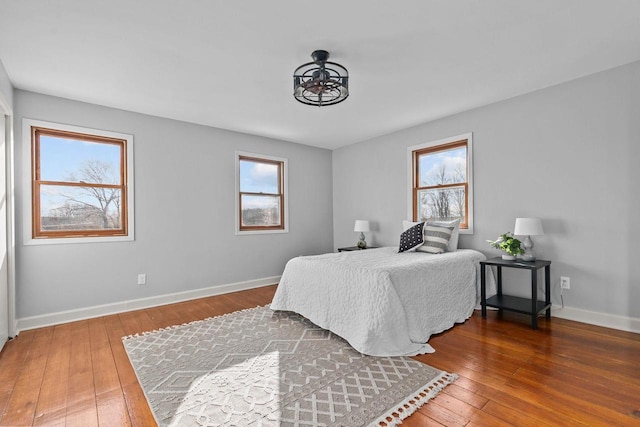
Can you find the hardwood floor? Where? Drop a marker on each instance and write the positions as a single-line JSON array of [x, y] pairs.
[[565, 373]]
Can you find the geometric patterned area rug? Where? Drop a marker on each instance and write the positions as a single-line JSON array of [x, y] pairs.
[[260, 367]]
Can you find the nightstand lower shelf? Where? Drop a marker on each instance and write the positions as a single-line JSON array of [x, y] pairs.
[[517, 304]]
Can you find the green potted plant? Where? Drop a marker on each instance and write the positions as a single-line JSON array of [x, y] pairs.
[[509, 245]]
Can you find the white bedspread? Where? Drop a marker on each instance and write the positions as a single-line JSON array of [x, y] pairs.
[[382, 302]]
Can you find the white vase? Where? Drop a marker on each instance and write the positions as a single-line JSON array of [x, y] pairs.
[[508, 257]]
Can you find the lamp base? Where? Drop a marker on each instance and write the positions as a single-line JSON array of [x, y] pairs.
[[529, 255], [362, 244]]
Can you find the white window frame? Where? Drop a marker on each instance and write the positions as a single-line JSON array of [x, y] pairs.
[[285, 189], [410, 177], [27, 204]]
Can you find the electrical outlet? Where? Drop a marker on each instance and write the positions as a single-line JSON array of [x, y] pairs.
[[565, 282], [142, 279]]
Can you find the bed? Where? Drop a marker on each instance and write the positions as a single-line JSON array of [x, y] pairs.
[[384, 303]]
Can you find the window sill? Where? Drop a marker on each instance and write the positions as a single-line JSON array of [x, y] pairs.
[[250, 232], [75, 240]]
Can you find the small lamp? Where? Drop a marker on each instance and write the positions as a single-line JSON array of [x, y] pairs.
[[363, 227], [528, 227]]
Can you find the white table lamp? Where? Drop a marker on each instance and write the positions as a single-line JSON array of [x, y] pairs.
[[528, 227], [361, 226]]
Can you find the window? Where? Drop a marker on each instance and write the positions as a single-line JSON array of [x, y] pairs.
[[261, 201], [441, 181], [80, 184]]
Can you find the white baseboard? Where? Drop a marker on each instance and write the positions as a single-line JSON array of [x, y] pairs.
[[622, 323], [50, 319], [612, 321]]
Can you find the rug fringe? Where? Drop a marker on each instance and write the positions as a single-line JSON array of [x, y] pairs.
[[395, 416], [168, 328]]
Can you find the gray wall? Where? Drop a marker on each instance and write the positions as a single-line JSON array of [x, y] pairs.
[[6, 102], [568, 154], [184, 208], [6, 89]]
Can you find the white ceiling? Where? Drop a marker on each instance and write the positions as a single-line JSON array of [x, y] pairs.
[[229, 64]]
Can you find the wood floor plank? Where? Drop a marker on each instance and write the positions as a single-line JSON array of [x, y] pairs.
[[20, 409], [420, 420], [513, 416], [567, 394], [161, 318], [457, 406], [137, 322], [105, 373], [189, 312], [115, 331], [12, 360], [443, 414], [483, 419], [258, 297], [81, 395], [112, 409], [616, 383], [547, 399], [222, 304], [131, 323], [110, 403], [139, 411], [465, 395], [51, 408], [615, 389], [563, 374]]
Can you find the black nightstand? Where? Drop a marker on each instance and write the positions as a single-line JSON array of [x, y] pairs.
[[355, 248], [530, 306]]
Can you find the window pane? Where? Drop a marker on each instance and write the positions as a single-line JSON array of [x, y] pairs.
[[443, 167], [257, 177], [79, 208], [260, 210], [71, 160], [441, 204]]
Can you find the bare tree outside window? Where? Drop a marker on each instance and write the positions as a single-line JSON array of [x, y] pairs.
[[88, 207], [443, 203], [79, 184], [440, 191]]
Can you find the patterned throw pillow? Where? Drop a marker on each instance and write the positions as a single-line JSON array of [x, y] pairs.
[[453, 242], [411, 238], [436, 238]]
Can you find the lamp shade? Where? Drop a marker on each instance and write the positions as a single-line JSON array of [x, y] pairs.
[[528, 227], [361, 226]]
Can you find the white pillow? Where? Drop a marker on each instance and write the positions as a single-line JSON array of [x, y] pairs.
[[453, 242], [408, 224]]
